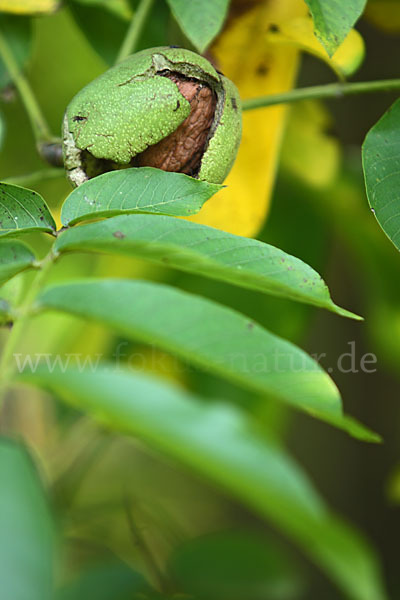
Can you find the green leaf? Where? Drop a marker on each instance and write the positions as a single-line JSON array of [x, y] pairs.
[[18, 34], [205, 251], [381, 163], [200, 20], [23, 210], [103, 28], [221, 443], [121, 8], [14, 258], [333, 20], [235, 565], [105, 582], [104, 23], [145, 190], [205, 334], [26, 533]]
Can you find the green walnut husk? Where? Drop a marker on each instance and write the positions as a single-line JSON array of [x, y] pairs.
[[143, 107]]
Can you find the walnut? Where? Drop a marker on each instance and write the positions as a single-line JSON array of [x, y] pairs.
[[182, 150]]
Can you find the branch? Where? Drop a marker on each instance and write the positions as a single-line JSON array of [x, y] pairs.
[[135, 29], [39, 125], [332, 90]]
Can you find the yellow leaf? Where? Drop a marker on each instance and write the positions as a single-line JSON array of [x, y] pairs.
[[258, 68], [29, 7], [308, 152], [300, 33]]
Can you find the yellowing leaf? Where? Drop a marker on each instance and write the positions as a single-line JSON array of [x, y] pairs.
[[257, 67], [308, 152], [385, 14], [29, 7], [300, 33], [333, 19]]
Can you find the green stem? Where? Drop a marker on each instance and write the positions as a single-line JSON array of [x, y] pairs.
[[7, 364], [39, 125], [331, 90], [32, 178], [135, 29]]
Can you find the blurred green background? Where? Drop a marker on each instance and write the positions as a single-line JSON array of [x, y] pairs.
[[329, 226]]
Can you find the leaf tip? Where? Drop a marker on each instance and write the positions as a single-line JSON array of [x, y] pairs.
[[343, 312]]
